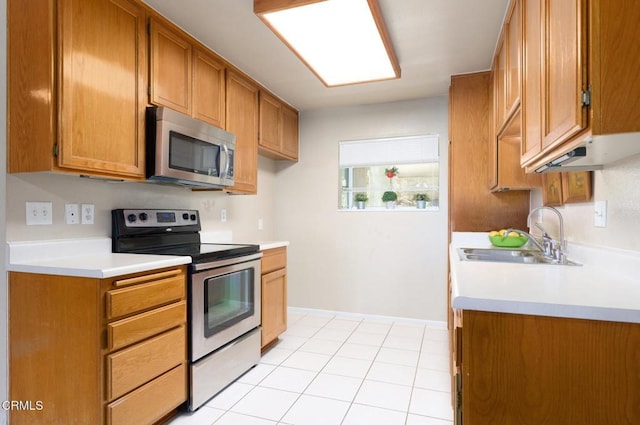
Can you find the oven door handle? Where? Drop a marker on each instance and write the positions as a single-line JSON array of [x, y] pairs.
[[226, 262]]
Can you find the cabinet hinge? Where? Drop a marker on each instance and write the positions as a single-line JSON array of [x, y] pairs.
[[55, 150], [586, 97]]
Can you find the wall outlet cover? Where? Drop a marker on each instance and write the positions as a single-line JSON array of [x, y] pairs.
[[87, 212], [72, 214]]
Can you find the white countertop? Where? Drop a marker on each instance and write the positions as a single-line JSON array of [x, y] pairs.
[[264, 245], [91, 257], [605, 287], [227, 237]]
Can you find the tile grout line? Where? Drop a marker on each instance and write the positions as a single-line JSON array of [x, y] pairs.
[[379, 347]]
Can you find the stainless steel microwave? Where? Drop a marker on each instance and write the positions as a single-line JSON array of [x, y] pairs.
[[185, 151]]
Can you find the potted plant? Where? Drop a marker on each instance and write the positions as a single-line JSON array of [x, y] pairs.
[[360, 199], [389, 198], [421, 200]]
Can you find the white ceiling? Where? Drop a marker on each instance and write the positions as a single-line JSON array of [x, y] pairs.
[[433, 39]]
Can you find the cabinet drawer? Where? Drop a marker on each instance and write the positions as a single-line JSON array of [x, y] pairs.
[[132, 367], [151, 402], [144, 325], [274, 259], [144, 292]]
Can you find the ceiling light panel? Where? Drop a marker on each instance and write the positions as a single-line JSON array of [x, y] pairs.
[[341, 41]]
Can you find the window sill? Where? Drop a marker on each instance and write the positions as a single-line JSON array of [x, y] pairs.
[[396, 209]]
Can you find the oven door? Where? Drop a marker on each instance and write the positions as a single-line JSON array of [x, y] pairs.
[[225, 303]]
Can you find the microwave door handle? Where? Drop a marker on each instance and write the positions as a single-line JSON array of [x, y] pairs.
[[226, 162]]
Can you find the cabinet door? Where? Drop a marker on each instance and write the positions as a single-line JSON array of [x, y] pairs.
[[274, 305], [290, 132], [170, 68], [532, 79], [242, 120], [102, 72], [514, 47], [564, 70], [208, 88], [500, 85], [270, 122]]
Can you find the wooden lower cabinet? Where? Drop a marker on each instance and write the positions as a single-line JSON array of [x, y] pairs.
[[141, 405], [523, 369], [97, 351], [274, 294]]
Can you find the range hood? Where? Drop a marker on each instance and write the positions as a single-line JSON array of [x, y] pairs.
[[594, 153]]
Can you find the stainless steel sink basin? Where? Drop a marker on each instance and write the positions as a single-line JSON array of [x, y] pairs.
[[505, 255]]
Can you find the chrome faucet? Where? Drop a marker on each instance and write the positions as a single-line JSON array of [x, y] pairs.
[[551, 248]]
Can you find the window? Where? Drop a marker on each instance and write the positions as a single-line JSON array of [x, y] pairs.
[[406, 166]]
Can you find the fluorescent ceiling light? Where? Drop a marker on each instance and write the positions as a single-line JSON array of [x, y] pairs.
[[341, 41]]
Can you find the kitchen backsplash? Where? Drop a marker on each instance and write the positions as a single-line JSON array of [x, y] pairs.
[[243, 211], [618, 185]]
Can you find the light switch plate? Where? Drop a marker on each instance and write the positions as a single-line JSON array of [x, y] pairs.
[[39, 213], [600, 214]]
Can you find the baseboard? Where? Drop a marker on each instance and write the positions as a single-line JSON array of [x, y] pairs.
[[430, 323]]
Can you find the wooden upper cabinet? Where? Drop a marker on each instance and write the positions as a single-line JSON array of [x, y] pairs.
[[500, 86], [170, 68], [514, 52], [532, 12], [578, 61], [509, 174], [184, 76], [472, 207], [564, 71], [278, 129], [270, 123], [242, 120], [208, 88], [75, 68], [506, 67], [290, 138]]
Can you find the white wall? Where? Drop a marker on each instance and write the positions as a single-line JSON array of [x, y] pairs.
[[618, 185], [243, 211], [387, 263]]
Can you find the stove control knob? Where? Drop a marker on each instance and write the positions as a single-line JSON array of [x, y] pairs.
[[144, 216], [193, 217], [131, 218], [185, 216]]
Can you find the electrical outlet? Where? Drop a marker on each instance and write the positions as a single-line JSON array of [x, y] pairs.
[[71, 214], [87, 213], [223, 215], [39, 213], [260, 224]]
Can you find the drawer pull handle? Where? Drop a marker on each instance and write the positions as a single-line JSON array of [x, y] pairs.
[[146, 278]]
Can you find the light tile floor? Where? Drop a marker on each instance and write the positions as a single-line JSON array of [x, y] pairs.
[[341, 370]]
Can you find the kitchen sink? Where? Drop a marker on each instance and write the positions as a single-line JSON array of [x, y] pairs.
[[523, 256]]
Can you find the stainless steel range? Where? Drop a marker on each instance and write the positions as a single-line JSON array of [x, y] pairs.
[[223, 293]]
